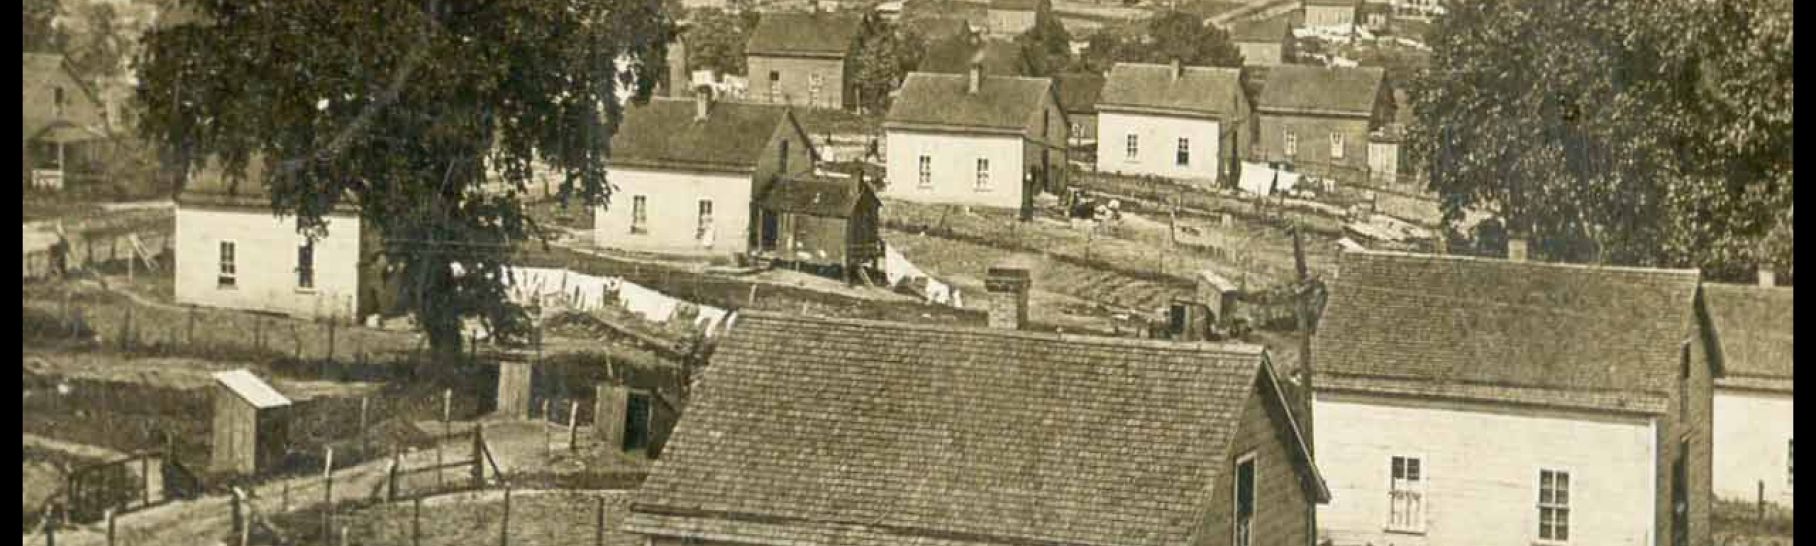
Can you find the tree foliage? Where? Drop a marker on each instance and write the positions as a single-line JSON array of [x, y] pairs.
[[425, 114], [97, 46], [1169, 36], [715, 40], [886, 53], [39, 35], [1653, 133], [1047, 45]]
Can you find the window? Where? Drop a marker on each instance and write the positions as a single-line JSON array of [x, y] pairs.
[[1554, 505], [1183, 156], [775, 86], [1406, 495], [983, 174], [57, 101], [1078, 131], [639, 215], [704, 224], [1245, 500], [636, 421], [813, 88], [1336, 146], [926, 172], [228, 271], [782, 157], [1292, 144], [1131, 146], [305, 265]]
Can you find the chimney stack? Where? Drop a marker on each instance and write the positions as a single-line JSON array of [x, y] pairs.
[[1008, 296], [702, 103], [1178, 70], [1516, 249], [977, 76], [1767, 277]]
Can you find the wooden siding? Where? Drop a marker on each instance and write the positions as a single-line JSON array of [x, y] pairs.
[[265, 261], [246, 440], [671, 213], [1157, 141], [954, 168], [1752, 435], [794, 85], [1282, 509]]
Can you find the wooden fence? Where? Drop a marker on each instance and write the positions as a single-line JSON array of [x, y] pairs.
[[128, 484], [97, 249]]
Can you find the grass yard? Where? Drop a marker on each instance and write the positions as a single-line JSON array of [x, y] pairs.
[[1743, 524], [537, 518]]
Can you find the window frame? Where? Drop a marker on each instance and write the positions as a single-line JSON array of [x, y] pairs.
[[1338, 143], [1563, 507], [1291, 144], [815, 82], [1182, 153], [983, 174], [226, 257], [639, 215], [703, 219], [305, 269], [1131, 147], [924, 171], [1237, 538], [1417, 486]]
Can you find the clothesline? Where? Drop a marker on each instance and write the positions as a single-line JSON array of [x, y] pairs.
[[560, 288]]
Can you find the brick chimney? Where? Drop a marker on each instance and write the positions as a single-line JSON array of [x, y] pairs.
[[1516, 249], [976, 77], [1007, 303], [1767, 277], [703, 101]]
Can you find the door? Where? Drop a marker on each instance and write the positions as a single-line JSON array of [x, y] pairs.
[[1680, 498], [767, 230]]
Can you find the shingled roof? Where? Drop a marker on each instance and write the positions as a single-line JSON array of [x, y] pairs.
[[1198, 90], [804, 34], [1002, 103], [1753, 329], [955, 54], [838, 431], [1079, 92], [1555, 335], [1301, 89], [664, 134], [209, 185], [816, 195], [1272, 30]]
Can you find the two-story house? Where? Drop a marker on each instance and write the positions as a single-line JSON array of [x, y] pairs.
[[1180, 122], [234, 252], [802, 59], [1318, 119], [687, 172], [1266, 42], [64, 122], [811, 430], [973, 139], [1463, 400], [1753, 394]]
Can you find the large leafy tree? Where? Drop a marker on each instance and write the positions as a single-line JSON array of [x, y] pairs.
[[39, 34], [97, 46], [1169, 36], [426, 114], [715, 39], [886, 53], [1047, 45], [1650, 133]]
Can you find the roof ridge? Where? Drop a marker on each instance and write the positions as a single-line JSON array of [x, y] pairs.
[[1225, 348], [1658, 271]]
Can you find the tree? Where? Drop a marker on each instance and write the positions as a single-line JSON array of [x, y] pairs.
[[425, 114], [1650, 134], [96, 45], [1170, 36], [40, 35], [716, 40], [1046, 45], [886, 53]]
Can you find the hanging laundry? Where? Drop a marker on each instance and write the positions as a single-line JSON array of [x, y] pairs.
[[651, 304], [709, 318]]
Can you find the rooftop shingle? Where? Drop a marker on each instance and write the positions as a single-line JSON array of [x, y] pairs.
[[815, 195], [1272, 30], [1753, 326], [1314, 89], [1198, 90], [825, 431], [664, 133], [816, 34], [1002, 103], [1549, 334], [1079, 93]]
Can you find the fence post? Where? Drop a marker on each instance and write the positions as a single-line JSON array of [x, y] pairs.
[[573, 421], [391, 476], [479, 446], [126, 330], [599, 524], [363, 436], [191, 333], [284, 498], [233, 502], [50, 527], [1761, 503], [447, 429], [548, 443], [416, 523], [328, 497], [110, 527], [331, 322], [246, 526], [145, 479], [504, 529]]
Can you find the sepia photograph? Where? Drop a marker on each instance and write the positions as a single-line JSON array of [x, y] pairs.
[[907, 273]]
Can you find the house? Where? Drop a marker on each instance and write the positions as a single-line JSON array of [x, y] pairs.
[[1753, 403], [1377, 15], [1332, 13], [687, 173], [65, 125], [802, 59], [1266, 42], [1318, 119], [234, 252], [1010, 18], [821, 219], [251, 424], [1186, 123], [972, 139], [1463, 400], [810, 430], [937, 28], [1078, 96]]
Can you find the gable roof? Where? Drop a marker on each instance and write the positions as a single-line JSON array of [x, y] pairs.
[[1078, 93], [1301, 89], [1753, 332], [664, 134], [1199, 90], [816, 430], [816, 195], [44, 69], [812, 34], [1560, 335], [1002, 103], [938, 28], [1272, 30], [955, 54], [209, 185], [253, 390]]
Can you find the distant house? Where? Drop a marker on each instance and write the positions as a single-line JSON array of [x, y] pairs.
[[1377, 15], [973, 139], [1186, 123], [938, 28], [1331, 13], [65, 125], [1266, 42], [687, 174], [1078, 96], [1753, 403], [821, 219], [1318, 119], [1463, 400], [802, 59], [234, 252], [1009, 18], [957, 54], [837, 431]]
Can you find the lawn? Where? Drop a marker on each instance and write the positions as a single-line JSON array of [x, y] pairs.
[[537, 518]]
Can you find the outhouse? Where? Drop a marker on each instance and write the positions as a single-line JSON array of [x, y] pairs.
[[251, 424]]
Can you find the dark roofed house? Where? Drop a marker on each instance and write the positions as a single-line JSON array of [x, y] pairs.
[[1182, 122], [956, 55], [1513, 381], [827, 220], [1319, 119], [64, 122], [1265, 42], [975, 139], [1753, 394], [687, 172], [1078, 95], [836, 431], [802, 59]]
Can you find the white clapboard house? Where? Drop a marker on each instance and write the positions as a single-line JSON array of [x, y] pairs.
[[1753, 407]]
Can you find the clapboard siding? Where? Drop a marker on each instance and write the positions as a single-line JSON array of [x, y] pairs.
[[1752, 436], [1481, 462], [265, 262], [1281, 507]]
